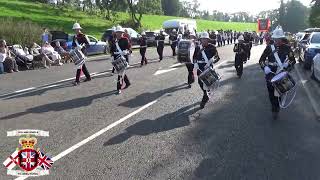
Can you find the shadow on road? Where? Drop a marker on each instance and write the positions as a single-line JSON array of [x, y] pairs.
[[167, 122], [61, 106], [145, 98]]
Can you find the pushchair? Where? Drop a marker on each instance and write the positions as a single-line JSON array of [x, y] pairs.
[[24, 60]]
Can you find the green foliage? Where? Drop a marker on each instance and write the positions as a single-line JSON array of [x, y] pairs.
[[41, 15], [23, 32], [314, 18]]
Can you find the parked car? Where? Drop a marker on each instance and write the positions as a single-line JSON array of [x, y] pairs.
[[309, 48], [315, 68], [151, 38]]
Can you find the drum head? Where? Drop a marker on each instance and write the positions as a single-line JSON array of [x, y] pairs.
[[279, 76]]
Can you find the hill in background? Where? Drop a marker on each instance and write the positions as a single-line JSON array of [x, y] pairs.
[[44, 15]]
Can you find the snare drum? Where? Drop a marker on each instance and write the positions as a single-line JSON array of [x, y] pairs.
[[120, 64], [78, 57], [210, 78], [185, 51], [283, 83]]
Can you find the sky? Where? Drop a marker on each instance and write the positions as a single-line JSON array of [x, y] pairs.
[[251, 6]]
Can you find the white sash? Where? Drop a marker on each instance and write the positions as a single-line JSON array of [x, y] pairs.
[[204, 55], [275, 53]]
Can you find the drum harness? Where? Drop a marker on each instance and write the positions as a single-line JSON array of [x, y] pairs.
[[280, 64], [79, 47]]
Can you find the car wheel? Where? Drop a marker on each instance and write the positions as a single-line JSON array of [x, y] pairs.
[[306, 65], [312, 71]]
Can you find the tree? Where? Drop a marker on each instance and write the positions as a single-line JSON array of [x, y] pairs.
[[314, 18], [171, 7], [282, 13], [295, 17]]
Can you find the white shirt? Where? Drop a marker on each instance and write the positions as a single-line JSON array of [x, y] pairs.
[[3, 57]]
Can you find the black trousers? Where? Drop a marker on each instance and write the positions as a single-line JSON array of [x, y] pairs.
[[219, 43], [173, 47], [120, 81], [85, 72], [160, 52], [224, 42], [274, 100], [143, 56], [234, 40], [238, 64], [205, 97], [190, 73]]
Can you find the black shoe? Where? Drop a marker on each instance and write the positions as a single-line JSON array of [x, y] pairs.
[[86, 80], [127, 86], [76, 83], [189, 86]]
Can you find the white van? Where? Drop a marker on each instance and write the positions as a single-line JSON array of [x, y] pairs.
[[180, 25]]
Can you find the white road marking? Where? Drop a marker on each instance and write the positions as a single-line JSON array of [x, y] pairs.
[[309, 94], [176, 65], [23, 90], [95, 135], [164, 71]]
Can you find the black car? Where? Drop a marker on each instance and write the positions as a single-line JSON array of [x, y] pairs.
[[133, 35]]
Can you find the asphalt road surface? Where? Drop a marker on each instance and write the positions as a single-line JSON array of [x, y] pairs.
[[156, 130]]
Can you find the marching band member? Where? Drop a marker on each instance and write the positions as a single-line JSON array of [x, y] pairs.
[[268, 63], [80, 41], [160, 44], [240, 49], [143, 48], [201, 64], [174, 41], [121, 47], [190, 66]]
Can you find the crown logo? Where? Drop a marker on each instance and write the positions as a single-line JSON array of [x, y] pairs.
[[27, 142]]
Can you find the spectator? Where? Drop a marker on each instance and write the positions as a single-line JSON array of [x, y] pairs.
[[9, 64], [38, 56], [49, 51], [45, 37], [63, 53]]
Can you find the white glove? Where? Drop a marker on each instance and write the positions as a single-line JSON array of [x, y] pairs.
[[285, 65], [195, 66], [267, 70], [125, 52], [79, 47]]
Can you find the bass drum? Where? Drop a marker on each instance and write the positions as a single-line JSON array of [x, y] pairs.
[[186, 50]]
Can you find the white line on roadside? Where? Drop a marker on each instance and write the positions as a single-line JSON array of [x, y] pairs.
[[23, 90], [95, 135], [309, 94]]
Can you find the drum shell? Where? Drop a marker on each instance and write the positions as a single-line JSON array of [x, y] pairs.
[[283, 85], [186, 50], [120, 64], [209, 77], [78, 57]]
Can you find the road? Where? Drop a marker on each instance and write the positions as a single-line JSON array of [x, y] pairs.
[[156, 130]]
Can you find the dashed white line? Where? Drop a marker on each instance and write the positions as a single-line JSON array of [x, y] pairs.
[[95, 135]]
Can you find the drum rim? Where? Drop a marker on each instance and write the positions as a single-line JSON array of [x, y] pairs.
[[279, 76]]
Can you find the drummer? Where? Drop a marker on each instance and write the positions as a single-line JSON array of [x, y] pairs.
[[121, 47], [200, 62], [80, 41], [270, 66], [174, 41]]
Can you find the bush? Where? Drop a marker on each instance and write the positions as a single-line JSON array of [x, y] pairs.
[[19, 32]]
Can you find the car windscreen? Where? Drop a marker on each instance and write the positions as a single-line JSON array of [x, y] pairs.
[[316, 38], [150, 34], [306, 36]]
